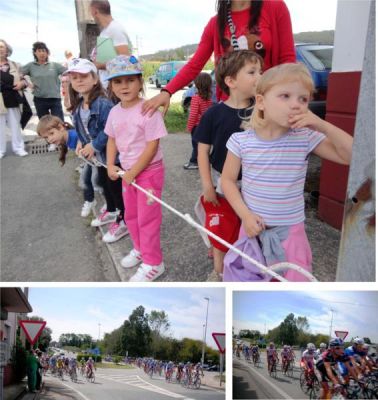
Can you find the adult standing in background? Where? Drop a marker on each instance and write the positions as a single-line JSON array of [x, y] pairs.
[[11, 84], [260, 25], [101, 13], [45, 81]]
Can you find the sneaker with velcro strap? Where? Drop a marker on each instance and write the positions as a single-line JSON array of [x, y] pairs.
[[147, 273], [87, 208], [132, 259]]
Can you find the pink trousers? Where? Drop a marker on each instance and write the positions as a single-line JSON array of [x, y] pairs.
[[143, 215], [297, 251]]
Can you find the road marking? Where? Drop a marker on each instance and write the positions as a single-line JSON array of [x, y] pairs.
[[140, 383], [277, 389], [77, 391]]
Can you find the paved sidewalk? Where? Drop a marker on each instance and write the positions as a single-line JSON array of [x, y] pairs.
[[212, 379], [185, 254]]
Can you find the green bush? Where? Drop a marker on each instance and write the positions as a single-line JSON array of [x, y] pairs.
[[18, 361], [117, 359], [149, 68]]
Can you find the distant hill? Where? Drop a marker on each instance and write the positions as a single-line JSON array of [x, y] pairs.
[[182, 53]]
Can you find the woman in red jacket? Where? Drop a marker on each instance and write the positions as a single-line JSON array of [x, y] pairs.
[[260, 25]]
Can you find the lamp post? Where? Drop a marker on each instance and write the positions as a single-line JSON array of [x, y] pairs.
[[204, 341], [99, 328]]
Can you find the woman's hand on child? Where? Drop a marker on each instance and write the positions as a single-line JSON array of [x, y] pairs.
[[253, 224], [113, 172], [307, 119], [161, 99], [79, 146], [210, 196]]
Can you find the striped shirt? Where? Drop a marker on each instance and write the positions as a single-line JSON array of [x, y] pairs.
[[198, 106], [274, 173]]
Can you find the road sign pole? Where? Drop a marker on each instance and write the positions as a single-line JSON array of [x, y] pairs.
[[220, 368]]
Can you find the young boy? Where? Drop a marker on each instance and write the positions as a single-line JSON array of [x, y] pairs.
[[237, 75]]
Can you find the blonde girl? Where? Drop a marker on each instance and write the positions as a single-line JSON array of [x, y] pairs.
[[273, 154]]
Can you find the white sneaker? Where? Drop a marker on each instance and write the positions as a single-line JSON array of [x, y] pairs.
[[88, 207], [21, 153], [117, 230], [132, 259], [104, 218], [147, 273], [2, 155]]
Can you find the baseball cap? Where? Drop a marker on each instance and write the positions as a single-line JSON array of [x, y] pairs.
[[123, 65], [81, 66]]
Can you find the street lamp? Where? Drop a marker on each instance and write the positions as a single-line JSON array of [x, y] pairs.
[[99, 327], [330, 328], [204, 341]]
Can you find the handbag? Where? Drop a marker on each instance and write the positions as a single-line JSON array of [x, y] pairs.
[[3, 109], [26, 111]]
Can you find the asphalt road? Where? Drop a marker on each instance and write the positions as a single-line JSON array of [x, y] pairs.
[[130, 384], [250, 382]]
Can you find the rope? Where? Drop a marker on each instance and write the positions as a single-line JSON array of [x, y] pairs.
[[273, 270]]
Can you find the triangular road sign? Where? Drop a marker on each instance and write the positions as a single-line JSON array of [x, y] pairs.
[[341, 334], [32, 329], [220, 340]]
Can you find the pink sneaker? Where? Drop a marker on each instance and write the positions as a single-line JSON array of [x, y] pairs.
[[104, 218], [116, 231]]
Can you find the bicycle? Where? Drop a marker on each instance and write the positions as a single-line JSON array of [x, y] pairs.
[[168, 375], [290, 368], [90, 376], [273, 369], [256, 359], [310, 384], [196, 381], [73, 375]]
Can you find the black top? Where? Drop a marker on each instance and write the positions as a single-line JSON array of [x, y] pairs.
[[11, 97], [217, 124], [328, 357]]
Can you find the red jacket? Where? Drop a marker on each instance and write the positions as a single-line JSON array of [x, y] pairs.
[[275, 33], [198, 106]]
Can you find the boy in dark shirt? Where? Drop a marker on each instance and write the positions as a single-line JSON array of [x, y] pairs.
[[237, 75]]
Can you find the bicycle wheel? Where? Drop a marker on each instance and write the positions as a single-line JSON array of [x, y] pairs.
[[197, 383], [92, 379], [303, 382]]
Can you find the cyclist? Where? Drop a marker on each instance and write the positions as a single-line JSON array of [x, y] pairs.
[[169, 370], [307, 362], [72, 365], [198, 369], [327, 361], [255, 353], [271, 355], [180, 371], [60, 366], [322, 348], [89, 367], [358, 357], [285, 356], [82, 366]]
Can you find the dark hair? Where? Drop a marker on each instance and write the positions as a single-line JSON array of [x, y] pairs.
[[102, 6], [203, 85], [49, 121], [230, 64], [75, 97], [222, 11], [40, 45]]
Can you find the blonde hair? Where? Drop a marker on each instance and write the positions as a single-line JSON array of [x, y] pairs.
[[48, 122], [279, 74]]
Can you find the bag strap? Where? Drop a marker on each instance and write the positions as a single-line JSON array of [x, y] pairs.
[[80, 126]]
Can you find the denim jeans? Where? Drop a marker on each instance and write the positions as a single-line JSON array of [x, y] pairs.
[[193, 158], [87, 182], [46, 106]]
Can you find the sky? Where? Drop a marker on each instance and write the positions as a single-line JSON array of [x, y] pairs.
[[152, 25], [81, 310], [354, 311]]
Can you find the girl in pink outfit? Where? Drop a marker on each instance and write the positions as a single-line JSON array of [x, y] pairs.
[[136, 137]]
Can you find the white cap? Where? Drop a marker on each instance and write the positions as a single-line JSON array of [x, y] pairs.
[[81, 66]]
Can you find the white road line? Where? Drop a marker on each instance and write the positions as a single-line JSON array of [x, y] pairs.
[[277, 389], [75, 390]]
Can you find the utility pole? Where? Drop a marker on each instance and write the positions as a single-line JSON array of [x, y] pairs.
[[330, 328], [37, 26], [204, 341], [86, 27]]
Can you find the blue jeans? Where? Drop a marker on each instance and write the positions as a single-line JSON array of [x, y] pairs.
[[193, 157], [87, 181], [46, 106]]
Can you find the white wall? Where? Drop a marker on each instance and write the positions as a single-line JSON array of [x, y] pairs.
[[350, 35]]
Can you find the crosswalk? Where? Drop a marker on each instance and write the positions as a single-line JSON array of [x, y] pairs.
[[137, 381]]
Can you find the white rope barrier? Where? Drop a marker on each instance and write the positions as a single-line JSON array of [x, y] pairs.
[[273, 270]]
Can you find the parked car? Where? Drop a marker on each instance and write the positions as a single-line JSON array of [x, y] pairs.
[[192, 90], [213, 368], [167, 71], [318, 59]]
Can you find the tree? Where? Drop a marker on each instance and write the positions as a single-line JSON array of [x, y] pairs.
[[288, 330], [136, 333], [367, 340], [158, 322], [302, 324]]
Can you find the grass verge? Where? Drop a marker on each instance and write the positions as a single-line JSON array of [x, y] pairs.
[[175, 120], [112, 365]]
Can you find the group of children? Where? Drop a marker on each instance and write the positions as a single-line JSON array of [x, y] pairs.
[[253, 153]]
